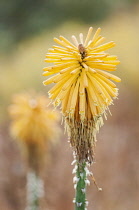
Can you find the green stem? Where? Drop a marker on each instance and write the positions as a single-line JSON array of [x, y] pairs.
[[80, 200]]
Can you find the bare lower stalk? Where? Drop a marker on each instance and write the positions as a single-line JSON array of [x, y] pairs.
[[80, 200], [34, 191]]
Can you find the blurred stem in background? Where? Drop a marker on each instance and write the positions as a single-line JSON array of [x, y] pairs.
[[35, 190], [35, 126]]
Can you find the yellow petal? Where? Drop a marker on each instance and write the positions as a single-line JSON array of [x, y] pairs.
[[69, 68], [109, 76], [65, 102], [94, 37], [74, 96], [114, 62], [99, 41], [70, 81], [75, 40], [81, 38], [91, 103], [75, 71], [111, 91], [88, 36], [92, 92], [50, 80], [47, 73], [104, 47], [60, 42], [82, 106], [85, 80], [107, 67], [70, 97], [105, 80], [67, 42]]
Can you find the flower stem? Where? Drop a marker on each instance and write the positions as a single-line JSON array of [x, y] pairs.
[[80, 200], [34, 191]]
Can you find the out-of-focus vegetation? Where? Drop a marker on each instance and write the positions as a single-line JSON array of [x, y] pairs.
[[21, 19], [22, 69]]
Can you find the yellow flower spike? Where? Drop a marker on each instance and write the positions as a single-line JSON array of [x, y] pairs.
[[84, 87], [34, 125]]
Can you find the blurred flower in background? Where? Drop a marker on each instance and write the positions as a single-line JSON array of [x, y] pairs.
[[35, 125]]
